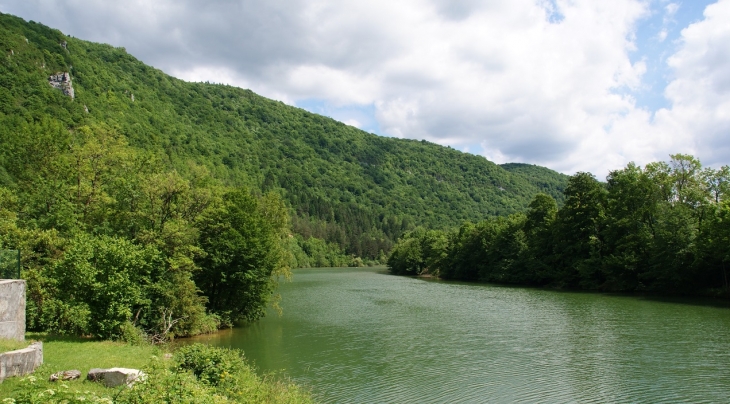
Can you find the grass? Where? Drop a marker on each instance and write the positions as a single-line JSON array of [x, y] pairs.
[[12, 345], [234, 383], [65, 353], [68, 353]]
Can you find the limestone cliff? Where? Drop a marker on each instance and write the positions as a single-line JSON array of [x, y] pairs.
[[62, 81]]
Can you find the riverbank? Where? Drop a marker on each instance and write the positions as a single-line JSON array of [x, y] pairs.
[[171, 378]]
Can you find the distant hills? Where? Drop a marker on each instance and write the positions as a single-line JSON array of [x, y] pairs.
[[356, 189]]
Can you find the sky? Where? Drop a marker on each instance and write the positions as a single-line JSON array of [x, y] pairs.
[[574, 85]]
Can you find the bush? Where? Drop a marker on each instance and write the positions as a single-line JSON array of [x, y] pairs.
[[132, 335], [209, 364]]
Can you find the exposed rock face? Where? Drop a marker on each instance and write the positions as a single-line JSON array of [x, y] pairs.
[[21, 362], [63, 45], [116, 376], [65, 375], [62, 81]]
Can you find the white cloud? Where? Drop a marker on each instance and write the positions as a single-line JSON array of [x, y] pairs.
[[670, 10], [353, 122], [700, 90], [539, 81]]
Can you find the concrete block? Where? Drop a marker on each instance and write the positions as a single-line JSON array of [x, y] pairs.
[[22, 361], [12, 309]]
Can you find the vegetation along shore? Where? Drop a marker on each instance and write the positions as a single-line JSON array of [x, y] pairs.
[[662, 228], [147, 208]]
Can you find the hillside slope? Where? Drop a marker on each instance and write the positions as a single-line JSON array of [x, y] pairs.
[[344, 185]]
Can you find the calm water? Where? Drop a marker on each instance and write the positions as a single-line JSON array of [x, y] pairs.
[[362, 336]]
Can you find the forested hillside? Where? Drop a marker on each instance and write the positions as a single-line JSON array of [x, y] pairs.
[[342, 186]]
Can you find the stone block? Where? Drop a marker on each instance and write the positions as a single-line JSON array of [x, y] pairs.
[[116, 376], [12, 309], [22, 361]]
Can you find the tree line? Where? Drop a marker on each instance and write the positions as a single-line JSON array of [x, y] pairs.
[[660, 228], [114, 241]]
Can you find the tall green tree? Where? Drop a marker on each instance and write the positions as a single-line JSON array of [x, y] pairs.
[[629, 233], [243, 255], [579, 244], [541, 216]]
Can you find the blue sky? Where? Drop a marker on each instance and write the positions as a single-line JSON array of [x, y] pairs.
[[574, 85], [655, 48]]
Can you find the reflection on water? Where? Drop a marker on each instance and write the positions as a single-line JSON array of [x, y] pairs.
[[362, 336]]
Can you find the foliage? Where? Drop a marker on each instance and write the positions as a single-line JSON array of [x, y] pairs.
[[106, 277], [661, 228], [209, 364], [543, 178], [243, 244], [341, 185]]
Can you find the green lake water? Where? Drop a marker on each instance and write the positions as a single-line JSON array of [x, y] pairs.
[[363, 336]]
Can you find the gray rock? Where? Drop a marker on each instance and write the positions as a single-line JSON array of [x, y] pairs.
[[65, 375], [114, 377], [62, 81]]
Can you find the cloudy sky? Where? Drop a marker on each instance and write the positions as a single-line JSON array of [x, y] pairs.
[[570, 84]]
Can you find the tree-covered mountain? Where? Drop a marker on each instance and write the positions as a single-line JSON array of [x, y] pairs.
[[548, 181], [352, 189]]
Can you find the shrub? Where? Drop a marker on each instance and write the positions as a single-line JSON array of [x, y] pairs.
[[209, 364]]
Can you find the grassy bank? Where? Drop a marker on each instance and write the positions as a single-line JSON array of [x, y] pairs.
[[194, 374]]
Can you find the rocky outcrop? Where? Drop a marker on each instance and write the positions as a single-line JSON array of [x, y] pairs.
[[116, 376], [62, 81], [21, 362]]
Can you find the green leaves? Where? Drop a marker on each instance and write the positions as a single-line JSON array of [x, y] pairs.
[[107, 275], [662, 228], [243, 244]]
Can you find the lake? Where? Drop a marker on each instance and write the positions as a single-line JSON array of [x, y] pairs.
[[363, 336]]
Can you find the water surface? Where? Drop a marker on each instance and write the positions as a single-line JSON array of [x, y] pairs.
[[363, 336]]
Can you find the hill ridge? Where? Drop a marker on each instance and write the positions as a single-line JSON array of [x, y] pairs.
[[349, 187]]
